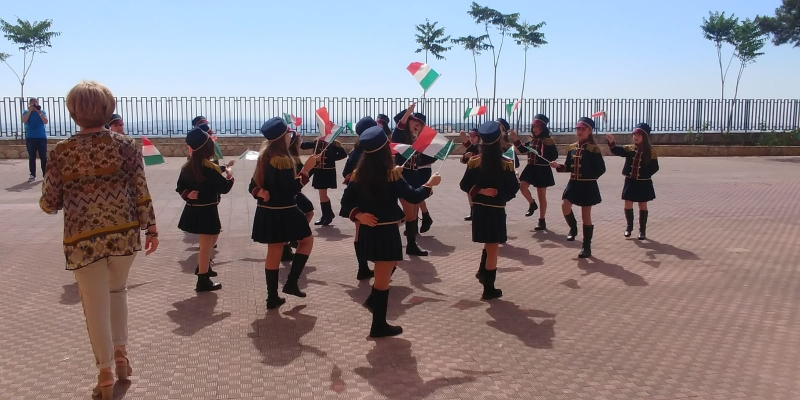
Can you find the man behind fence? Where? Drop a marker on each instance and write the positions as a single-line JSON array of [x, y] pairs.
[[35, 120]]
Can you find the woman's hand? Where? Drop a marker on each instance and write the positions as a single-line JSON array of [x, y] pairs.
[[366, 219], [310, 163], [554, 164], [263, 195], [488, 192], [463, 136], [193, 195], [435, 180], [230, 163], [151, 240], [513, 134]]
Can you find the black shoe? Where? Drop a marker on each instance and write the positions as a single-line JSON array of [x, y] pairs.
[[327, 214], [489, 291], [210, 272], [273, 301], [287, 255], [427, 221], [204, 284], [573, 226], [629, 221], [365, 274], [294, 244], [411, 237], [542, 225], [468, 217], [586, 250], [642, 224], [482, 268], [531, 209], [298, 264], [380, 328]]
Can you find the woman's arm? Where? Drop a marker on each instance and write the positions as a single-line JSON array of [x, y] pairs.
[[52, 198]]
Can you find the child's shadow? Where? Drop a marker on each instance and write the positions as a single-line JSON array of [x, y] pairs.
[[655, 248], [611, 270]]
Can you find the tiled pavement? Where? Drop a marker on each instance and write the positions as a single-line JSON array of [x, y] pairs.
[[709, 308]]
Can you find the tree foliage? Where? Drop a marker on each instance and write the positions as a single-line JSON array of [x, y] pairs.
[[31, 38], [431, 40], [785, 25]]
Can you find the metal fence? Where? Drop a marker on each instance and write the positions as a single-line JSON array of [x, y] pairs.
[[242, 116]]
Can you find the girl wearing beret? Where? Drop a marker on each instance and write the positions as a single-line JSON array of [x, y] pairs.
[[491, 182], [641, 163], [537, 172], [116, 124], [324, 174], [370, 200], [505, 142], [585, 164], [278, 220], [201, 184], [472, 148], [409, 125]]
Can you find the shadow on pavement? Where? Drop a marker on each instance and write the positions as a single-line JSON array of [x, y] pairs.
[[655, 248], [509, 318], [23, 186], [611, 270], [278, 336], [195, 313]]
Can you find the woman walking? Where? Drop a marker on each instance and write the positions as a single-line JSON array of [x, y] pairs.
[[200, 214], [370, 200], [97, 178], [641, 163], [278, 220], [537, 173], [491, 182]]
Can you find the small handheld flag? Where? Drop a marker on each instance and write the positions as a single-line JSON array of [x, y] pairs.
[[404, 150], [475, 111], [217, 149], [511, 107], [423, 73], [150, 153], [599, 114], [351, 126], [433, 144], [328, 131], [532, 150], [292, 120], [509, 153]]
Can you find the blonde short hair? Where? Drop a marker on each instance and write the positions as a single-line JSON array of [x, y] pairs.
[[90, 104]]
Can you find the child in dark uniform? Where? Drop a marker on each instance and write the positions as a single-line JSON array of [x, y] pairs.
[[371, 201], [641, 163], [425, 171], [537, 172], [505, 142], [352, 161], [278, 220], [409, 125], [324, 174], [491, 182], [472, 145], [383, 122], [585, 164], [200, 215]]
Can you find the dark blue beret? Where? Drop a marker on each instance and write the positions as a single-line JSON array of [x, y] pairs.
[[196, 138], [504, 123], [372, 139], [586, 121], [114, 117], [274, 128], [421, 117], [541, 117], [489, 131], [204, 127], [363, 124], [197, 119], [643, 127], [383, 118]]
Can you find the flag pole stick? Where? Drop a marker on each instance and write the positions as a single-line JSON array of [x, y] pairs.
[[440, 166], [409, 158]]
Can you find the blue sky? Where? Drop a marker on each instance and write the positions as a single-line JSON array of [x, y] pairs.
[[349, 48]]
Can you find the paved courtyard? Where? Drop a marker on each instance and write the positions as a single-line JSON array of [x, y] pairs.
[[708, 308]]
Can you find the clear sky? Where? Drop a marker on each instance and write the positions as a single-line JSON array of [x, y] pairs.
[[346, 48]]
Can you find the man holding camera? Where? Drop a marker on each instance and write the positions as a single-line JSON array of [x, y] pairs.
[[36, 136]]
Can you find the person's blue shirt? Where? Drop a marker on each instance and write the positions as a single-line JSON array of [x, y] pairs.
[[35, 127]]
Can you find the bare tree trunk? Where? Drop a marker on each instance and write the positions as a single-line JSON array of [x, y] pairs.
[[524, 73], [735, 95], [722, 82], [475, 64]]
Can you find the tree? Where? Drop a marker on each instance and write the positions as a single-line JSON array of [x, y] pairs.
[[31, 38], [476, 45], [504, 23], [747, 39], [527, 36], [719, 29], [785, 25], [431, 40]]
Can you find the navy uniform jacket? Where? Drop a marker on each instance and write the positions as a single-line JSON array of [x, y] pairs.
[[584, 162], [635, 167], [209, 191], [471, 148], [546, 147], [352, 162], [474, 180], [385, 207], [333, 152], [282, 183]]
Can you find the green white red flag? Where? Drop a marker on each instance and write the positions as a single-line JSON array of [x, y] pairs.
[[509, 154], [150, 153], [475, 111], [328, 131], [433, 144], [351, 126], [404, 150], [599, 114], [292, 120], [424, 74], [511, 107]]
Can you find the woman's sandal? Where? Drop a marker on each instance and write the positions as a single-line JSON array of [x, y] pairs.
[[124, 369], [105, 385]]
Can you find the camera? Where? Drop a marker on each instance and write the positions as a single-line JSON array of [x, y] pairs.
[[38, 107]]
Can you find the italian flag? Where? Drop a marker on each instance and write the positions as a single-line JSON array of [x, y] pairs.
[[423, 74], [150, 153], [351, 126], [433, 144], [328, 131], [599, 114], [404, 150], [475, 111], [292, 120], [217, 149], [511, 107], [509, 154]]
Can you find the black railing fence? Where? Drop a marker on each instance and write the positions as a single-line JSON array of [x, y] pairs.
[[242, 116]]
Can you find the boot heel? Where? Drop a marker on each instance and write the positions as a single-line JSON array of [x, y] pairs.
[[124, 370]]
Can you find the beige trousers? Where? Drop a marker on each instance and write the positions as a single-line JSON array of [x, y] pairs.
[[104, 294]]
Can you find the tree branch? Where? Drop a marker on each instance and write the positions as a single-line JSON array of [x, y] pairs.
[[33, 53], [12, 70]]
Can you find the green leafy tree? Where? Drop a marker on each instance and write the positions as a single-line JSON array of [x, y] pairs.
[[31, 38], [748, 39], [475, 44], [503, 24], [527, 36], [719, 29], [431, 40], [785, 25]]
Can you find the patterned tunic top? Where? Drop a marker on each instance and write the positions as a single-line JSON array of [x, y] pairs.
[[98, 180]]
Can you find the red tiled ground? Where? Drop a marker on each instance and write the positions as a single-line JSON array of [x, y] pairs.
[[707, 309]]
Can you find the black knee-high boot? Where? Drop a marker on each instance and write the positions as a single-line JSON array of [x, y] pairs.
[[573, 226], [290, 287], [412, 229], [532, 207], [489, 291], [629, 220], [542, 225], [327, 214], [273, 300], [427, 221], [482, 268], [363, 267], [642, 224], [287, 255], [204, 284], [586, 250], [469, 217], [380, 328]]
